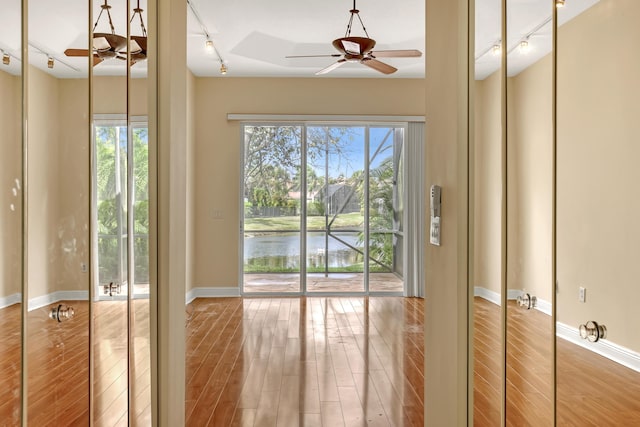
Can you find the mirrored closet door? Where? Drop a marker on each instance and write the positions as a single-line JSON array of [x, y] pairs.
[[598, 345], [488, 211], [529, 159], [11, 211], [83, 230]]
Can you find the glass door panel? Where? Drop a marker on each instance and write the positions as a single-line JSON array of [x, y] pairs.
[[272, 202], [385, 209], [335, 209]]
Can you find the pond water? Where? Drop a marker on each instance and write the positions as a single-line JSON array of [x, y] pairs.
[[281, 252]]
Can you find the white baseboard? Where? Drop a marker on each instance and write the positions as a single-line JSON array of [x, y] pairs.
[[211, 293], [543, 306], [612, 351], [54, 297], [10, 300], [487, 294]]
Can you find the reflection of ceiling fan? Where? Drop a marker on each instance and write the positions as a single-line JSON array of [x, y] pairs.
[[107, 46], [360, 49]]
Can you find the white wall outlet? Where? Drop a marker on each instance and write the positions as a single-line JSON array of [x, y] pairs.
[[582, 294]]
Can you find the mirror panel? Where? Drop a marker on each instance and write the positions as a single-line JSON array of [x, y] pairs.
[[598, 382], [529, 337], [487, 178], [57, 216], [11, 211], [139, 309]]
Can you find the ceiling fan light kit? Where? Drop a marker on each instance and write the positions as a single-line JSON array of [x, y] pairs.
[[360, 50]]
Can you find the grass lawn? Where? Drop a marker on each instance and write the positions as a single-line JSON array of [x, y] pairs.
[[350, 220]]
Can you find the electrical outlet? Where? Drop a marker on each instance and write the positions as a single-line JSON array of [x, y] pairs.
[[582, 294], [83, 267]]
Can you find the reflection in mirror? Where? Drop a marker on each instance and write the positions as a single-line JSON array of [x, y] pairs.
[[529, 337], [58, 216], [487, 243], [598, 383], [11, 193], [139, 309], [121, 372]]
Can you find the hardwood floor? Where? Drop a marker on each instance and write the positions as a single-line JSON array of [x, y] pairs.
[[58, 354], [311, 361], [305, 361], [10, 365], [591, 390]]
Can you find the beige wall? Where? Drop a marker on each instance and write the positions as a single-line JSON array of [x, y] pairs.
[[530, 181], [44, 255], [447, 282], [598, 173], [487, 182], [529, 210], [218, 146], [10, 170]]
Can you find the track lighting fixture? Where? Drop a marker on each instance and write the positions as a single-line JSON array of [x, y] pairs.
[[208, 44], [560, 3], [6, 58], [524, 46], [496, 49], [50, 62]]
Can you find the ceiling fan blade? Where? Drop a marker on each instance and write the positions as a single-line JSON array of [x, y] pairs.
[[402, 53], [97, 60], [379, 66], [333, 55], [76, 52], [331, 67]]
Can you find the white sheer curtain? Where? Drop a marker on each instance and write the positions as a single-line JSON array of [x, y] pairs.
[[415, 203]]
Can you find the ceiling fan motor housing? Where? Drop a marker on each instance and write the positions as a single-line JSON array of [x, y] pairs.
[[354, 45]]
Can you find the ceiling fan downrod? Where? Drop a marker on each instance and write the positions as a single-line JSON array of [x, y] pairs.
[[104, 7], [355, 12]]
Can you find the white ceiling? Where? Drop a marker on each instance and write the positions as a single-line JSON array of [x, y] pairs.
[[254, 36]]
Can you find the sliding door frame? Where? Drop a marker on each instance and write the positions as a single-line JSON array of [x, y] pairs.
[[304, 125]]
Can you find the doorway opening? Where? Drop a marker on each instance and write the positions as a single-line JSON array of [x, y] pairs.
[[323, 208]]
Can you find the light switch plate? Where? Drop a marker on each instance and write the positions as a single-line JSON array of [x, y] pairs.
[[582, 294]]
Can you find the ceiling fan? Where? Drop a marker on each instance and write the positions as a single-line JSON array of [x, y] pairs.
[[112, 45], [360, 49]]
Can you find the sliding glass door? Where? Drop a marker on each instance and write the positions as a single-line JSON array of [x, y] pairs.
[[331, 192], [117, 144], [336, 214], [272, 185]]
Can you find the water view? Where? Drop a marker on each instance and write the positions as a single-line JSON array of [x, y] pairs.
[[280, 252]]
